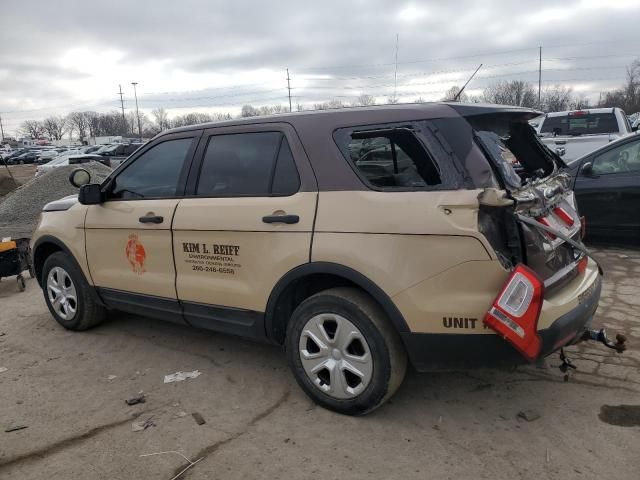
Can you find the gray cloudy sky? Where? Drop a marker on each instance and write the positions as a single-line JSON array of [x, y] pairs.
[[189, 55]]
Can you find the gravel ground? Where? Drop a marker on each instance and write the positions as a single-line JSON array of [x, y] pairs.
[[69, 390], [20, 209]]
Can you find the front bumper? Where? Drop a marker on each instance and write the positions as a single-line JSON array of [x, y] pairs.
[[433, 351]]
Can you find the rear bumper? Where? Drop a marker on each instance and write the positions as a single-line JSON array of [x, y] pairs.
[[429, 351]]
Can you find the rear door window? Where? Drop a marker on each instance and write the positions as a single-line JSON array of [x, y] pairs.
[[579, 123], [248, 164], [392, 158]]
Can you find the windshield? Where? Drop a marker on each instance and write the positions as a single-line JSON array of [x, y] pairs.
[[580, 124]]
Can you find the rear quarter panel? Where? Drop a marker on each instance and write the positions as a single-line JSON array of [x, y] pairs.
[[422, 248]]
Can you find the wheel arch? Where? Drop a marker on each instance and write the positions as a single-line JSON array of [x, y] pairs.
[[43, 248], [310, 278]]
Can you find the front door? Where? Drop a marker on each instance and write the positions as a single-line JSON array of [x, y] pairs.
[[609, 197], [247, 222], [128, 236]]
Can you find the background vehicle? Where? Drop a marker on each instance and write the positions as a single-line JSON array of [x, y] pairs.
[[606, 183], [27, 157], [70, 159], [572, 134]]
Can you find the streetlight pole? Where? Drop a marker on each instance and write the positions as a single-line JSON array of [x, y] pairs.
[[135, 93]]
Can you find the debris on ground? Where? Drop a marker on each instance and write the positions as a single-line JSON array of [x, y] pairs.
[[20, 209], [620, 415], [180, 376], [198, 418], [16, 428], [112, 377], [528, 415], [3, 369], [137, 399], [189, 462], [181, 414], [141, 425]]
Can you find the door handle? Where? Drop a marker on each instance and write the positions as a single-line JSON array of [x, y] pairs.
[[281, 219], [151, 219]]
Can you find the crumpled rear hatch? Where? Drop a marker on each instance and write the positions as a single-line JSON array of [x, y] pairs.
[[537, 188]]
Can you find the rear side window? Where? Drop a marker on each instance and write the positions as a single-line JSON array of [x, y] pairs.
[[154, 174], [248, 164], [580, 124], [392, 158]]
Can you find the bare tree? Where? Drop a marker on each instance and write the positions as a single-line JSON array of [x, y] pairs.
[[32, 128], [161, 118], [628, 96], [78, 121], [249, 111], [392, 100], [93, 122], [365, 100], [419, 100], [557, 98], [54, 126], [514, 92], [450, 95]]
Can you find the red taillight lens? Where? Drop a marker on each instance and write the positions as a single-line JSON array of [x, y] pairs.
[[582, 264], [515, 312], [545, 222], [564, 216]]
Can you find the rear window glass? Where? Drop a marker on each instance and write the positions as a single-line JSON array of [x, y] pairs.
[[392, 158], [580, 124]]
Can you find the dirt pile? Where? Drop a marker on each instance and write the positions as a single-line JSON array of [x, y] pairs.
[[20, 209]]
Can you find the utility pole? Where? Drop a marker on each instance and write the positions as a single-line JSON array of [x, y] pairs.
[[540, 77], [135, 93], [289, 89], [1, 128], [124, 120], [395, 73]]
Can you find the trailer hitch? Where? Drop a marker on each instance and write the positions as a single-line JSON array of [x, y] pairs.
[[566, 365], [601, 336]]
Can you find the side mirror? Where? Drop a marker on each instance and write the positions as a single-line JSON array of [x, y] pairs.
[[90, 194], [79, 177], [587, 169]]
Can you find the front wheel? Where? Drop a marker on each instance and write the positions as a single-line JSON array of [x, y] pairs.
[[68, 295], [344, 352]]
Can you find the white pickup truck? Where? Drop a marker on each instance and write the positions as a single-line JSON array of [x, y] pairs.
[[575, 133]]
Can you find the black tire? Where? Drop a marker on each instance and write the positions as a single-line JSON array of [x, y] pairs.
[[386, 349], [88, 312]]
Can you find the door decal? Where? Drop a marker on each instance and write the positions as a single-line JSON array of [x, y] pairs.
[[135, 254]]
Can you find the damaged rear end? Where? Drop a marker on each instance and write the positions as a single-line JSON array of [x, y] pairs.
[[532, 222]]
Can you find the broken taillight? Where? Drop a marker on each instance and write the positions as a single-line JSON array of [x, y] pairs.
[[564, 216], [545, 222], [515, 312], [582, 264]]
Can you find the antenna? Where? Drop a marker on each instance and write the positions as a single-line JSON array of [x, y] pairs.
[[455, 99]]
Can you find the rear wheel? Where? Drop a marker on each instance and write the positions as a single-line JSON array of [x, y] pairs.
[[344, 352], [68, 295]]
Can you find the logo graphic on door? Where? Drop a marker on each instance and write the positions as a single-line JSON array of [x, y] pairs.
[[135, 254]]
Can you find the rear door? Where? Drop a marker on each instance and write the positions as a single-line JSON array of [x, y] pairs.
[[128, 236], [247, 222], [609, 197]]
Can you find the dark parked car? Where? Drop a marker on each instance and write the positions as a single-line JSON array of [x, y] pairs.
[[28, 157], [607, 187]]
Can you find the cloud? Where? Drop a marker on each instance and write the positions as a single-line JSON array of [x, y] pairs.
[[192, 54]]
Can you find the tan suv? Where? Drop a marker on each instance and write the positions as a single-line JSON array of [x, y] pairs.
[[358, 239]]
